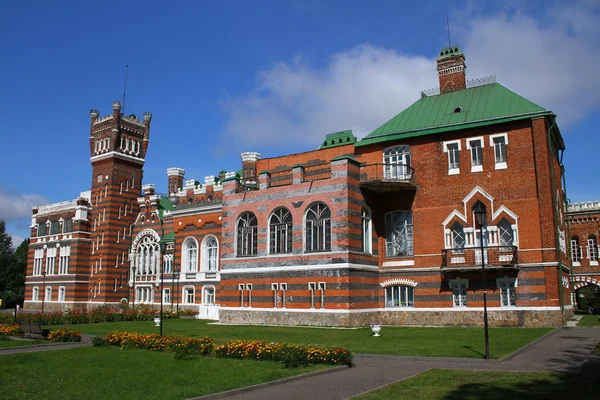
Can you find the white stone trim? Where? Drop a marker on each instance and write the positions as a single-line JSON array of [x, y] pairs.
[[116, 154], [175, 171], [317, 267], [387, 310], [251, 156], [399, 282], [452, 70], [403, 263]]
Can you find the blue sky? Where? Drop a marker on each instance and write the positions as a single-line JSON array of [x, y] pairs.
[[222, 77]]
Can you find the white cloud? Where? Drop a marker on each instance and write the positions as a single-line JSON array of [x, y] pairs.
[[551, 62], [14, 206]]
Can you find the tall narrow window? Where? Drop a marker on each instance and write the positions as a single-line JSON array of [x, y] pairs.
[[54, 227], [210, 253], [48, 296], [575, 249], [396, 161], [63, 265], [280, 231], [318, 228], [247, 235], [38, 260], [147, 254], [42, 229], [190, 255], [592, 249], [476, 147], [453, 150], [50, 260], [508, 295], [35, 296], [209, 295], [499, 143], [61, 293], [459, 292], [188, 295], [367, 236], [505, 234], [167, 295], [458, 237], [399, 233], [67, 225]]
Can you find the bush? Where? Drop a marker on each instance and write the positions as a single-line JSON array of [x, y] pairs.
[[98, 341], [3, 336], [184, 348], [588, 299], [10, 330], [96, 315], [64, 335]]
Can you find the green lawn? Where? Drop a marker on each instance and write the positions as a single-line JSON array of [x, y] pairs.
[[589, 320], [440, 342], [18, 343], [111, 373], [466, 385]]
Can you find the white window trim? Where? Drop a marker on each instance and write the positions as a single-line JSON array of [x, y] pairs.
[[204, 259], [509, 280], [459, 281], [186, 257], [204, 295], [184, 294], [452, 171], [501, 165], [476, 168], [62, 290]]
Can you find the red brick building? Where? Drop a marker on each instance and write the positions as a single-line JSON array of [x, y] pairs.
[[382, 229]]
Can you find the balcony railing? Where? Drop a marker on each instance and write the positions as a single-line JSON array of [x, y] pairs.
[[387, 177], [494, 257]]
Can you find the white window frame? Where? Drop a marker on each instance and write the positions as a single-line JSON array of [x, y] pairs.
[[35, 294], [500, 165], [48, 293], [475, 167], [144, 294], [592, 250], [205, 295], [406, 296], [512, 282], [576, 251], [185, 294], [210, 255], [246, 239], [399, 228], [280, 231], [396, 162], [166, 292], [366, 230], [62, 292], [453, 170], [320, 227], [190, 255], [462, 303]]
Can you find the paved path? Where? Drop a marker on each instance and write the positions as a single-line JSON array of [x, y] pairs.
[[564, 350], [86, 340]]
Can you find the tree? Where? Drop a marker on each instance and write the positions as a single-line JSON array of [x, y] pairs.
[[13, 266]]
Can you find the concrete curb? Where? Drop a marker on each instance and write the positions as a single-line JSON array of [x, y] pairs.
[[522, 349], [246, 389]]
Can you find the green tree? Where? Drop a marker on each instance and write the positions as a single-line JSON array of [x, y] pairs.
[[13, 265]]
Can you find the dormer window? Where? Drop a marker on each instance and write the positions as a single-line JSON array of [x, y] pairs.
[[458, 110]]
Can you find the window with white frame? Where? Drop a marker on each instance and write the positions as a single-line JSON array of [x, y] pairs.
[[592, 249], [166, 295], [458, 237], [54, 227], [42, 229], [61, 293], [508, 294], [366, 232], [247, 235], [453, 149], [38, 260], [318, 228], [35, 294], [505, 235], [190, 255], [280, 231], [209, 295], [399, 296], [459, 292], [63, 263], [67, 225], [50, 260], [167, 263], [499, 143], [144, 294], [48, 296], [396, 162], [189, 295], [210, 253], [476, 147], [399, 234], [575, 249]]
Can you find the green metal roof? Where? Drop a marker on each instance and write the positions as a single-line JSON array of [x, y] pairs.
[[164, 204], [338, 139], [462, 109]]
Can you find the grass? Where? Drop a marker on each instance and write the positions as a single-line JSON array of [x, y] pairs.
[[111, 373], [408, 341], [19, 343], [589, 320], [465, 385]]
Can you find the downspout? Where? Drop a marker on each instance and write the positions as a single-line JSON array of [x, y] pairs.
[[568, 238], [556, 229]]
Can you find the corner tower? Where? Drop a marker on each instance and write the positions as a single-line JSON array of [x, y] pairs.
[[118, 146], [451, 69]]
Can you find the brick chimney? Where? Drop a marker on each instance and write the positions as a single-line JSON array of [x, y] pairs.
[[175, 179], [451, 69]]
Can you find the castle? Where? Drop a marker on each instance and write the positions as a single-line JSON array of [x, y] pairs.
[[382, 229]]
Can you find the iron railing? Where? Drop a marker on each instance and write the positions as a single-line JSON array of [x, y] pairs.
[[402, 173], [493, 256]]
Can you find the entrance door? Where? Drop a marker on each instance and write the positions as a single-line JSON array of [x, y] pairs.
[[478, 246]]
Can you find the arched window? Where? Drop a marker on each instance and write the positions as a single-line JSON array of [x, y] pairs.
[[48, 296], [575, 249], [399, 296], [247, 234], [396, 162], [280, 231], [399, 234], [366, 232], [190, 255], [458, 236], [147, 256], [208, 295], [592, 249], [505, 233], [318, 228], [210, 253], [35, 296]]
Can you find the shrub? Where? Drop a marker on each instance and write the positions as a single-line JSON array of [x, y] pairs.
[[73, 317], [3, 336], [64, 335], [184, 348], [10, 330], [98, 341]]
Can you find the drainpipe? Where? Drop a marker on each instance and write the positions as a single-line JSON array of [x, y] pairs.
[[568, 238], [556, 233]]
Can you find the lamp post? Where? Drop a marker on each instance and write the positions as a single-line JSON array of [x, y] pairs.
[[176, 269], [43, 288], [133, 281], [481, 217]]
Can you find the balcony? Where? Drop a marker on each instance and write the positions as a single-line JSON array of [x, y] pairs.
[[385, 178], [468, 259]]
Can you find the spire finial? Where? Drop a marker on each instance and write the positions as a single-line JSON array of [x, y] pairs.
[[448, 27]]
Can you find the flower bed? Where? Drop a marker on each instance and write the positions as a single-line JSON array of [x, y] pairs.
[[64, 335], [183, 347], [291, 355], [10, 330]]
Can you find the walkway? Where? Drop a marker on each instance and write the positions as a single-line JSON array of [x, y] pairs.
[[86, 340], [564, 350]]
